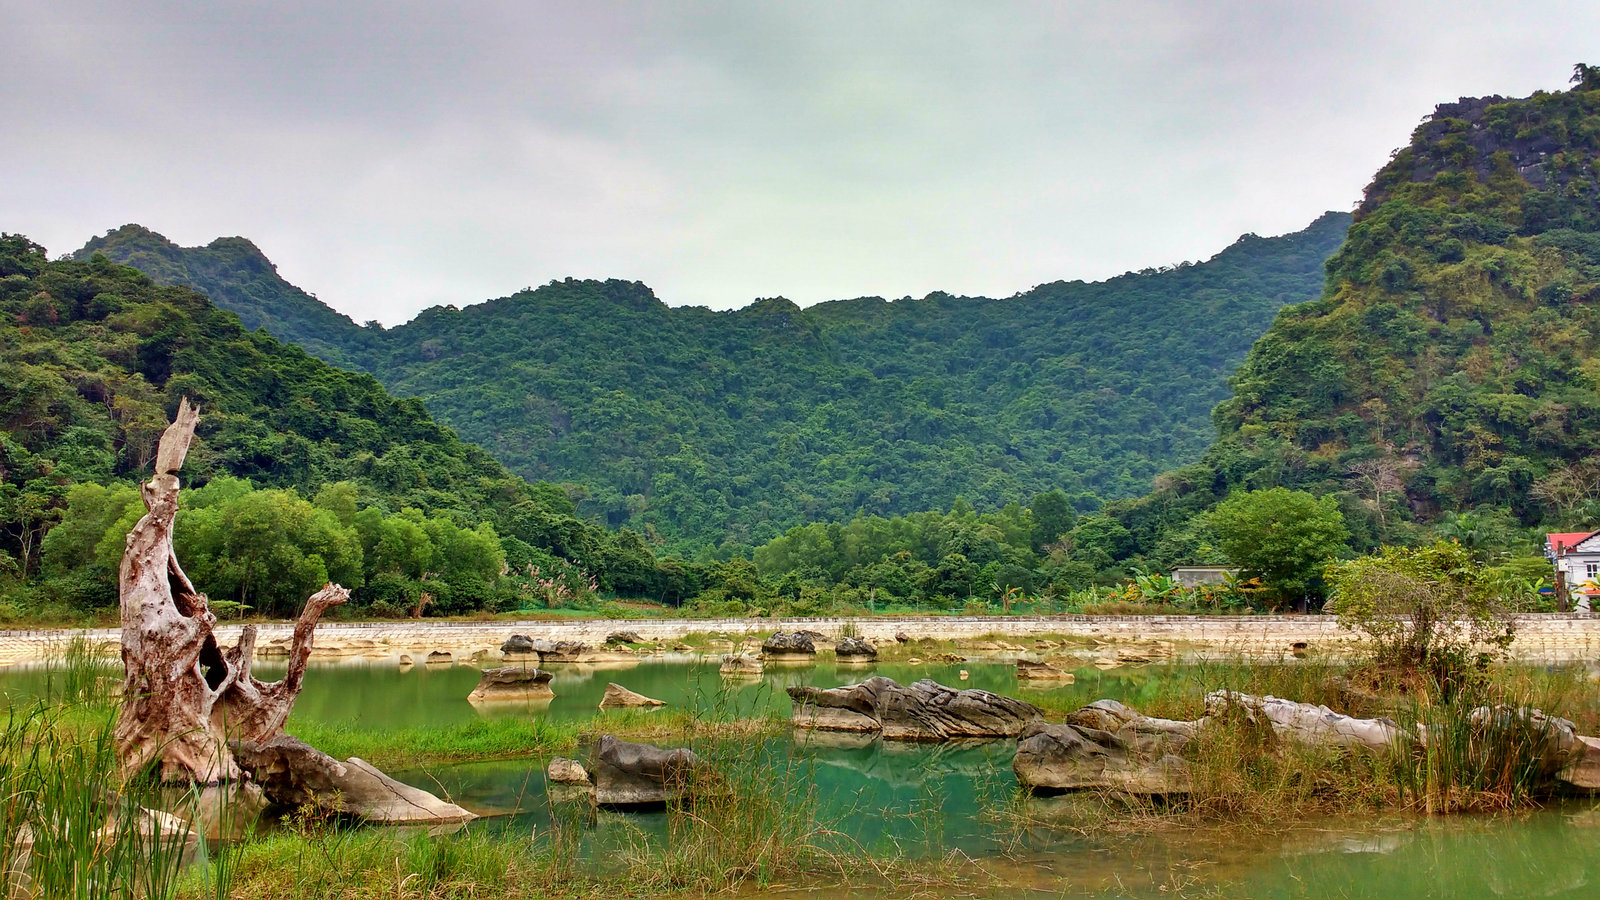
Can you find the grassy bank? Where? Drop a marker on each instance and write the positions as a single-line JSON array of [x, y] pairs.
[[514, 738]]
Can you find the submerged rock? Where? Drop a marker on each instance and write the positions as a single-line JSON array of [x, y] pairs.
[[925, 711], [1042, 671], [854, 648], [628, 774], [293, 773], [782, 644], [617, 696], [740, 664], [512, 683], [566, 771]]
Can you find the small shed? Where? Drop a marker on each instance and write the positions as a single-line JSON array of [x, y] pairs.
[[1194, 576]]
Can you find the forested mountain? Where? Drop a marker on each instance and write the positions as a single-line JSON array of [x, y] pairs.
[[239, 278], [727, 428], [1450, 372], [93, 359]]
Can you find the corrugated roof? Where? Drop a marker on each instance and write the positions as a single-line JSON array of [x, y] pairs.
[[1566, 540]]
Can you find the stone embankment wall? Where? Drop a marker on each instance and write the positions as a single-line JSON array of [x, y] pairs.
[[1540, 638]]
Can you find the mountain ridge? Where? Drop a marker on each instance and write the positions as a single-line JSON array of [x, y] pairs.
[[727, 427]]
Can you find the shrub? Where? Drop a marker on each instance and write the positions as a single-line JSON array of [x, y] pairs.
[[1424, 609]]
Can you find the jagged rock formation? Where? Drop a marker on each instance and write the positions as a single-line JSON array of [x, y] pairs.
[[183, 695], [1107, 745], [784, 645], [560, 651], [518, 645], [855, 648], [740, 664], [566, 771], [1031, 670], [628, 774], [293, 774], [512, 683], [1304, 723], [1111, 746], [617, 697], [924, 711]]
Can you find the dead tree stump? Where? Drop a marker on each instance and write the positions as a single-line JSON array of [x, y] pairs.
[[184, 697]]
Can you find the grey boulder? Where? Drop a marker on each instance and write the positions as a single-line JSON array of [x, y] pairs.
[[293, 773], [512, 683], [854, 648], [628, 774], [924, 711], [783, 644]]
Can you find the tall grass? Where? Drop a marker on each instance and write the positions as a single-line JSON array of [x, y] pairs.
[[71, 826], [1476, 750]]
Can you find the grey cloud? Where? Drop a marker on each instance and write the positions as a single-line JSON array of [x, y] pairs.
[[390, 156]]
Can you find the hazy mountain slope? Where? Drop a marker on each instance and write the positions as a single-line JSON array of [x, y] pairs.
[[733, 426]]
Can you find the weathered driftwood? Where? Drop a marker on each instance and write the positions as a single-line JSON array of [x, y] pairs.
[[184, 696]]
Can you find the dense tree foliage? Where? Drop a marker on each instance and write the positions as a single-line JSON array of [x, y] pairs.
[[239, 278], [93, 359], [1448, 380], [728, 428], [1282, 538]]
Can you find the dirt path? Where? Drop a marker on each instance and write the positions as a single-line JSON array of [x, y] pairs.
[[1540, 638]]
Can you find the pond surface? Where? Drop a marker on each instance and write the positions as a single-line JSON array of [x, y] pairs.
[[934, 799]]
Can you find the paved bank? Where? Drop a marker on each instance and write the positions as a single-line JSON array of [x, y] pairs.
[[1540, 638]]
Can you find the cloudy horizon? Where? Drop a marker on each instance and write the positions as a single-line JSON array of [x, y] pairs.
[[393, 157]]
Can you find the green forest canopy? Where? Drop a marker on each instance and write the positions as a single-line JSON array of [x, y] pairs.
[[93, 359], [705, 428]]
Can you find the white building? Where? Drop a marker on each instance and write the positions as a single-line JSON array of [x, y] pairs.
[[1576, 555]]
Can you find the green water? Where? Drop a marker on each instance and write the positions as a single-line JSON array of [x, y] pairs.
[[925, 800]]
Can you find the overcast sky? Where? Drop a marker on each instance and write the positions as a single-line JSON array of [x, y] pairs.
[[389, 156]]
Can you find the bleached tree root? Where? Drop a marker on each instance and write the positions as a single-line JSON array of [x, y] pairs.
[[184, 696]]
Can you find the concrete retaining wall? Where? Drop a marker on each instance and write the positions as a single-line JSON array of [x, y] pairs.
[[1540, 638]]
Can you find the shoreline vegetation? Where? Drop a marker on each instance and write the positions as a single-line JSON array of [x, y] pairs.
[[759, 822]]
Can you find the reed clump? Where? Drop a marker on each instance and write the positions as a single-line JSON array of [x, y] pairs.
[[1478, 746]]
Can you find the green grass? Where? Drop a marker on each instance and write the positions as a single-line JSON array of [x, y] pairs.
[[514, 738]]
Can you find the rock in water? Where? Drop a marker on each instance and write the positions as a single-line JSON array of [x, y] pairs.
[[740, 664], [439, 658], [617, 696], [518, 645], [512, 683], [628, 774], [924, 711], [624, 637], [1042, 671], [782, 645], [854, 648], [566, 771], [1305, 723], [1583, 767], [1134, 759], [559, 651], [292, 773]]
